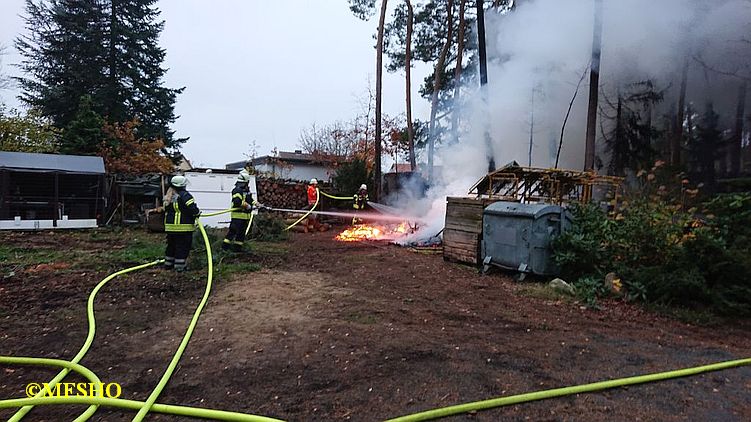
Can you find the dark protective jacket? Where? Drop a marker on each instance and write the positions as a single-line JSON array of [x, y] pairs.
[[180, 215], [361, 199], [240, 195]]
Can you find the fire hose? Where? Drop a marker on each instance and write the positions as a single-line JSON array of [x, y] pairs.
[[196, 412], [307, 213], [343, 198], [151, 405], [143, 407]]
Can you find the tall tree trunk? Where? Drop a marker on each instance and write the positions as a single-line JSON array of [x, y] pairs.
[[531, 130], [113, 90], [437, 73], [379, 93], [677, 140], [408, 82], [619, 147], [594, 82], [736, 146], [458, 70], [484, 78]]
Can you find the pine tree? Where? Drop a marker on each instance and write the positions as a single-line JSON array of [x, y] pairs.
[[84, 134], [62, 56], [105, 49], [706, 147], [135, 76]]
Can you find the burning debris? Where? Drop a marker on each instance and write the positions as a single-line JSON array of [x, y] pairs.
[[362, 232]]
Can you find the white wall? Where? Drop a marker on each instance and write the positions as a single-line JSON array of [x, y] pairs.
[[213, 192], [302, 172]]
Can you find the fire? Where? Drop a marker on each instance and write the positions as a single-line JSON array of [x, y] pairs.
[[373, 232]]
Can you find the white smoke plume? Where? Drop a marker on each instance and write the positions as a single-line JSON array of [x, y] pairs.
[[543, 47]]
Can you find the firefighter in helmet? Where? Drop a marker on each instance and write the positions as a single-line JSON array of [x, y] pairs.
[[360, 202], [311, 224], [180, 215], [242, 204]]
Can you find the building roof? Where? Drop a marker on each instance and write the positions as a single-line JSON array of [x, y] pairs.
[[400, 168], [285, 156], [26, 161]]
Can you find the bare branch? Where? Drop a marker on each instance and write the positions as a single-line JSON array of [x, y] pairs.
[[568, 112]]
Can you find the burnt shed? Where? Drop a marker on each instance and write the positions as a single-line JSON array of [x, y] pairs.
[[41, 191]]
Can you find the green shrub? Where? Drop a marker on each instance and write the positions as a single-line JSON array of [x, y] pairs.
[[269, 228], [660, 258]]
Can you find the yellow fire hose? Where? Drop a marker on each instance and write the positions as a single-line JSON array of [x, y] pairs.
[[186, 338], [86, 345], [149, 405], [566, 391], [307, 213], [343, 198], [94, 402]]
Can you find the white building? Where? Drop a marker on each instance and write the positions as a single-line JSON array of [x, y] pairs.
[[213, 192], [289, 165]]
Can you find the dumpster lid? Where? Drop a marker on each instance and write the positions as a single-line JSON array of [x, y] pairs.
[[522, 210]]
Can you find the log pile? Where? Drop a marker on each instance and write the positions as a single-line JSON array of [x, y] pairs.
[[278, 193], [290, 194]]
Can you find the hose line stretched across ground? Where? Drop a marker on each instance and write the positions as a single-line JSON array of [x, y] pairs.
[[186, 338], [86, 345], [566, 391], [95, 402], [307, 213], [67, 367]]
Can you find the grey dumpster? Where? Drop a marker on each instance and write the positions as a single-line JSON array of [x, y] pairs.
[[518, 236]]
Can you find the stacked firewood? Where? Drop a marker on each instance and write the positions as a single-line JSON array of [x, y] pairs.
[[279, 193]]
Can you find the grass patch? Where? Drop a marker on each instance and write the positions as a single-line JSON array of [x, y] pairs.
[[366, 319], [139, 251], [20, 256], [544, 292], [269, 248], [225, 270]]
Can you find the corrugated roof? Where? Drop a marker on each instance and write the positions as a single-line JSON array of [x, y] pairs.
[[51, 162]]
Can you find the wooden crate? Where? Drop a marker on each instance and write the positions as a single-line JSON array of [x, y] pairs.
[[462, 233]]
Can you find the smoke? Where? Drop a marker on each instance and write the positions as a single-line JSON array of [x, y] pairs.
[[537, 54]]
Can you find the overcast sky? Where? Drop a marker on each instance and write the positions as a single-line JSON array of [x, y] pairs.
[[256, 70]]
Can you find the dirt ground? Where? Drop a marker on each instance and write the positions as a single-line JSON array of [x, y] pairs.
[[329, 331]]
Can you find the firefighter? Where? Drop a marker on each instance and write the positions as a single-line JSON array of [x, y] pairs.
[[242, 198], [360, 202], [180, 214], [311, 223]]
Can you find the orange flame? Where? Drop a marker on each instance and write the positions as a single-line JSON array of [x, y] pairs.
[[371, 232]]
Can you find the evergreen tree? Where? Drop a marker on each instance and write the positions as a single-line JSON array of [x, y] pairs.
[[63, 56], [135, 75], [706, 147], [105, 49], [630, 141], [84, 134]]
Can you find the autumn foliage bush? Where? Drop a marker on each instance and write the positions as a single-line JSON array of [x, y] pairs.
[[124, 152]]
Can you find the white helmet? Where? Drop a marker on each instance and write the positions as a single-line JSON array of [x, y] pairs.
[[243, 177], [179, 181], [313, 181], [363, 187]]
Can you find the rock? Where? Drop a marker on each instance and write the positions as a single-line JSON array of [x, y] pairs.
[[561, 286]]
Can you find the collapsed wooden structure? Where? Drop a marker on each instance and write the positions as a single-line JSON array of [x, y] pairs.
[[462, 235], [551, 186]]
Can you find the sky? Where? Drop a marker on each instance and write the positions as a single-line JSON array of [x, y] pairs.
[[256, 71]]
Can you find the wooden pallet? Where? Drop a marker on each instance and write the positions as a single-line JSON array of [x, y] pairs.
[[462, 233]]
